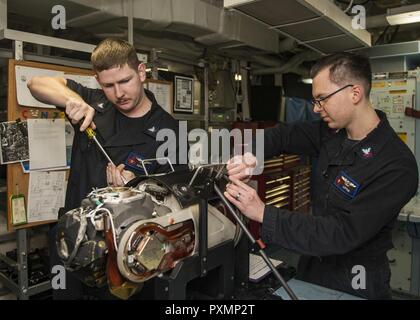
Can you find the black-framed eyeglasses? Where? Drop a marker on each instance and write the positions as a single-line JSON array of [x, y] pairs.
[[318, 101]]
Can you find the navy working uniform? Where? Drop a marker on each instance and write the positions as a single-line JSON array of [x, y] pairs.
[[124, 139], [359, 189]]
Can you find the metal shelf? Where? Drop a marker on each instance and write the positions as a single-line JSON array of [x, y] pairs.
[[22, 289], [188, 117], [222, 108], [24, 294]]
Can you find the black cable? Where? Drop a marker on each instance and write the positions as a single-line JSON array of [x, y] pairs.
[[382, 35], [394, 34], [355, 4], [347, 11], [286, 287]]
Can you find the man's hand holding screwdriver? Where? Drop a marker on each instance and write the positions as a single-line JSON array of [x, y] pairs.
[[79, 111]]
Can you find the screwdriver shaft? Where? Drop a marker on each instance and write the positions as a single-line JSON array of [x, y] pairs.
[[92, 135], [103, 150]]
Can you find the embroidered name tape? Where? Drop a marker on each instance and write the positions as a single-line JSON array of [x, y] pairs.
[[346, 185]]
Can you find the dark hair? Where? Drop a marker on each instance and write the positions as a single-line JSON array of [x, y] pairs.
[[114, 53], [345, 68]]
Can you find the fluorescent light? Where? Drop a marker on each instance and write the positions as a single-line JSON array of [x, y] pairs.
[[159, 69], [307, 81], [404, 15]]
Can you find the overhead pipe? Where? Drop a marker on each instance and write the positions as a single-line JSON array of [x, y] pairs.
[[377, 21], [203, 20], [269, 61], [287, 44], [292, 64]]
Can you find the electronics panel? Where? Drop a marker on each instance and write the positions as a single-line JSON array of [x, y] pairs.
[[393, 93]]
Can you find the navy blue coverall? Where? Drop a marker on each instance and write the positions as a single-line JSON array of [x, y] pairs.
[[359, 191]]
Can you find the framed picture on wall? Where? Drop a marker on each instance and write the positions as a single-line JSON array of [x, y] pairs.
[[184, 95]]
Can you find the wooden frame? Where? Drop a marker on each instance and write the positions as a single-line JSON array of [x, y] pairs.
[[15, 175]]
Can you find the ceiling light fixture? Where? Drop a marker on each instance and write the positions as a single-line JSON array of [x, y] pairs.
[[403, 15], [307, 80]]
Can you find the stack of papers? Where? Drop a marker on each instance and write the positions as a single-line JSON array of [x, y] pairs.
[[258, 269]]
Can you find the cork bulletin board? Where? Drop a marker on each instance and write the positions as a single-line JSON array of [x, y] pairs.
[[16, 178]]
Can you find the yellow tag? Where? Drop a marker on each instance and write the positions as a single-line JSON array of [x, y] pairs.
[[17, 204]]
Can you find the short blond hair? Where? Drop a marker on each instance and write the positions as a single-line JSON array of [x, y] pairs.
[[111, 53]]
